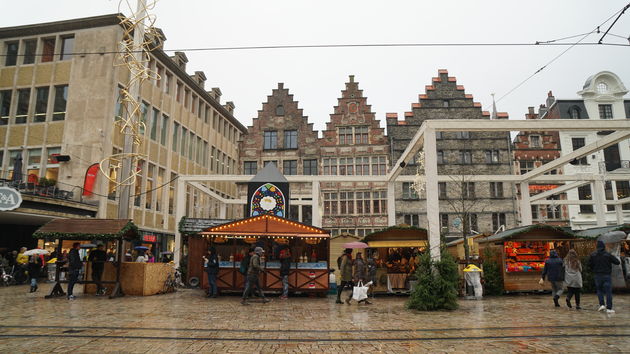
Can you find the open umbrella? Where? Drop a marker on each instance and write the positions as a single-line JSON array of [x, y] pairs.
[[141, 248], [612, 237], [87, 245], [355, 245], [36, 251]]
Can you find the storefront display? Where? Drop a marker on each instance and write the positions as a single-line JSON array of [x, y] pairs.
[[525, 256]]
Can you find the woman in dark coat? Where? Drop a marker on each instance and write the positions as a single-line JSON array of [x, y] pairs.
[[34, 267], [360, 273], [555, 274]]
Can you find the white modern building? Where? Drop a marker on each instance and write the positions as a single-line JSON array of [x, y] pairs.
[[601, 98]]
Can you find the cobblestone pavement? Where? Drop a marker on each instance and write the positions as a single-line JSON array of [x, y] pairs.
[[186, 321]]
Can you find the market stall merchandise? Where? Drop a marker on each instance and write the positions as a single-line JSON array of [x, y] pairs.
[[308, 245], [618, 247], [397, 249], [524, 250], [92, 230]]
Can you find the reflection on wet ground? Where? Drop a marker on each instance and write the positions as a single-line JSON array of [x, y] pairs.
[[186, 321]]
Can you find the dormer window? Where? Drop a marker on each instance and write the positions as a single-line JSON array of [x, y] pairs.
[[280, 110], [534, 141], [575, 112], [602, 87]]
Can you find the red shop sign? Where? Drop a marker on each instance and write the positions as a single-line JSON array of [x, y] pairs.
[[149, 238]]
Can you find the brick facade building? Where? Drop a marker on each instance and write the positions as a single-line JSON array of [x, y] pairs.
[[282, 135], [489, 205], [354, 144]]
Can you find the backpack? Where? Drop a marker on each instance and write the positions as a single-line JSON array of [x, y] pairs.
[[339, 260], [244, 265]]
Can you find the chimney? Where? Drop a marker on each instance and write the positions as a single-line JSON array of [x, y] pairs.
[[199, 77], [280, 85], [550, 99], [229, 105], [351, 78], [542, 110], [216, 94], [180, 59], [391, 118]]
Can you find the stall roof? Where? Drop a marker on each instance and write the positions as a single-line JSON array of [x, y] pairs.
[[266, 225], [562, 232], [461, 239], [398, 236], [87, 229], [598, 231], [196, 225]]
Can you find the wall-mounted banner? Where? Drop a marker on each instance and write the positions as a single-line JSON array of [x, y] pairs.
[[9, 199], [90, 180]]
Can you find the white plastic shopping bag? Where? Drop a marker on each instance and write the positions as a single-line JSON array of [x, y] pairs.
[[360, 291]]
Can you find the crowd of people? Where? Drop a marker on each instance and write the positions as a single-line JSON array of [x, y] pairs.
[[568, 272]]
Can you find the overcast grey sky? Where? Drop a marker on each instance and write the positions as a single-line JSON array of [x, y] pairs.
[[391, 78]]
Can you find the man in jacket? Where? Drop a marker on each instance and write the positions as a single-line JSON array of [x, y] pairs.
[[98, 257], [346, 275], [74, 267], [601, 263], [211, 263], [285, 269], [253, 273], [555, 274]]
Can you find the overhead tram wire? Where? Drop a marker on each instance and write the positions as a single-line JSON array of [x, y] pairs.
[[571, 45]]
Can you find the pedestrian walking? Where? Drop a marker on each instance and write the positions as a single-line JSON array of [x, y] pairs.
[[285, 269], [211, 264], [555, 274], [372, 267], [253, 273], [573, 278], [601, 263], [21, 266], [345, 267], [360, 274], [98, 257], [34, 266], [74, 267]]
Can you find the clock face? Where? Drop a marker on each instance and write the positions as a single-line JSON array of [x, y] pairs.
[[353, 107], [268, 199]]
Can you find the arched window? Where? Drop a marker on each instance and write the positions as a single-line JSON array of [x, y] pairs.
[[575, 112], [280, 110], [602, 87]]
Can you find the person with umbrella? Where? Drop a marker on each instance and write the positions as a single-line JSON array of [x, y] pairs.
[[142, 257], [601, 263], [74, 267], [34, 266], [346, 275]]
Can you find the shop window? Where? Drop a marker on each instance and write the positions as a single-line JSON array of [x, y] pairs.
[[330, 166], [578, 143], [362, 166], [498, 220], [60, 102], [48, 50], [408, 191], [279, 110], [468, 190], [52, 165], [30, 46], [605, 111], [270, 140], [492, 157], [442, 190], [525, 166], [289, 167], [41, 104], [465, 157], [67, 47], [5, 106], [310, 167], [11, 53], [584, 193], [412, 219], [290, 139], [250, 167], [496, 189]]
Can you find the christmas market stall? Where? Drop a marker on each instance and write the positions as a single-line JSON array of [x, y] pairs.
[[617, 242], [115, 234], [309, 247], [396, 250], [523, 251]]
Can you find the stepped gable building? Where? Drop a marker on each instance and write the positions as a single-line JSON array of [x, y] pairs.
[[281, 134], [354, 144], [533, 149], [57, 103], [489, 204]]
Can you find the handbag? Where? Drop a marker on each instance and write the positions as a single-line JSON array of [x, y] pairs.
[[360, 291]]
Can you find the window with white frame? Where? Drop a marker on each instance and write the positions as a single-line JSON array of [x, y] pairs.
[[331, 202], [605, 111], [289, 167], [250, 167], [379, 165], [346, 203], [363, 202], [525, 166], [362, 166], [346, 166], [492, 157], [408, 192], [310, 167], [379, 202]]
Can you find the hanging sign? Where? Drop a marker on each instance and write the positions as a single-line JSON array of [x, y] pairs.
[[9, 199], [149, 238], [90, 179]]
